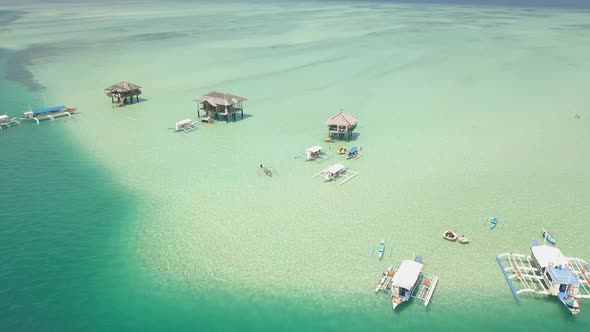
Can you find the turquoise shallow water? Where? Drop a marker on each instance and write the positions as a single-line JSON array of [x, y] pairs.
[[151, 230]]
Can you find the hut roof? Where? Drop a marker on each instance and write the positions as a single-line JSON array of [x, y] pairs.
[[219, 98], [342, 119], [123, 87]]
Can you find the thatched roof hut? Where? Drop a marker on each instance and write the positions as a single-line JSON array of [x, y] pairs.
[[220, 103], [341, 125], [122, 91]]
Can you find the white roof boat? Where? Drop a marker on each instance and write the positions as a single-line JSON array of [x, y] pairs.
[[314, 153], [8, 122], [408, 281], [49, 113], [185, 125], [547, 271], [337, 171]]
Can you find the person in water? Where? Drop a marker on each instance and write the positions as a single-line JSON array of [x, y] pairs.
[[266, 170]]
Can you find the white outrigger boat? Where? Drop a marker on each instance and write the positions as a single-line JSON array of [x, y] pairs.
[[337, 172], [48, 113], [408, 281], [548, 272], [314, 152], [185, 125], [5, 121]]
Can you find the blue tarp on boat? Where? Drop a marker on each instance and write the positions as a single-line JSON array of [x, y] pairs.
[[563, 276], [48, 110], [352, 150]]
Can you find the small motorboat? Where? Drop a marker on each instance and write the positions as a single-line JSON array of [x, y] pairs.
[[463, 239], [381, 249], [493, 222], [450, 235], [548, 237], [342, 150]]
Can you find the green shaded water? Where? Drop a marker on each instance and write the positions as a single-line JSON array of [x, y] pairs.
[[94, 235]]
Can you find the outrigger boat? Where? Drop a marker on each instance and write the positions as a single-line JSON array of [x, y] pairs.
[[548, 272], [353, 153], [385, 281], [548, 237], [185, 125], [5, 121], [409, 281], [314, 153], [381, 249], [48, 113], [337, 171]]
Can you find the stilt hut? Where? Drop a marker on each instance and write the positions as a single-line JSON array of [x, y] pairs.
[[216, 104], [341, 125], [123, 92]]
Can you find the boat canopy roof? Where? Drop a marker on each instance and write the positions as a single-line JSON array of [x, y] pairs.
[[313, 149], [334, 168], [407, 275], [548, 256], [49, 110], [353, 149], [183, 122], [563, 276]]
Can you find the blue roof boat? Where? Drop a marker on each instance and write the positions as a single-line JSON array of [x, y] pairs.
[[49, 110], [352, 152], [48, 113]]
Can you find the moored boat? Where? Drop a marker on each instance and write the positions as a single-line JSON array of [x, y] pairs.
[[547, 271], [48, 113], [385, 278], [7, 121], [352, 153], [185, 125], [548, 237], [381, 249], [493, 222], [450, 235], [463, 239], [404, 281]]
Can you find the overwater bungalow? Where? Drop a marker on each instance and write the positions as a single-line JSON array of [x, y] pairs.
[[8, 122], [341, 126], [49, 113], [215, 104], [123, 92]]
